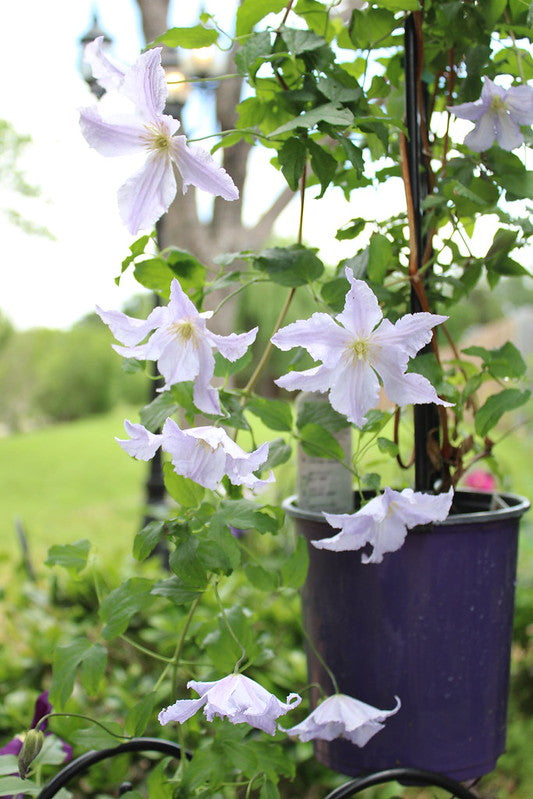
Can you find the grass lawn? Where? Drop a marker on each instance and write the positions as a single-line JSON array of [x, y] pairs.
[[67, 482]]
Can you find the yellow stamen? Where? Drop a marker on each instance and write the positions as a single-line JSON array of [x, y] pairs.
[[360, 349], [182, 330]]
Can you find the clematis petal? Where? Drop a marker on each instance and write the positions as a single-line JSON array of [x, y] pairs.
[[128, 329], [192, 456], [319, 335], [411, 332], [519, 102], [361, 311], [142, 444], [404, 388], [198, 168], [234, 346], [470, 111], [180, 305], [181, 710], [107, 72], [355, 391], [319, 378], [122, 136], [145, 197], [205, 396], [420, 508], [145, 85], [484, 133], [387, 536], [177, 360], [356, 531], [508, 134]]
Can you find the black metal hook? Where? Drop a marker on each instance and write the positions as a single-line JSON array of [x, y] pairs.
[[412, 776]]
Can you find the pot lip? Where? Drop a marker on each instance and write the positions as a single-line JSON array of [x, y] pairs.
[[512, 506]]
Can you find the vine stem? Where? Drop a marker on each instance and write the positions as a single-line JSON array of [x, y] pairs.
[[181, 642], [230, 630], [86, 718]]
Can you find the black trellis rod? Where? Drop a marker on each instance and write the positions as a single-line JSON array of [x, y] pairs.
[[411, 776], [85, 761], [426, 418]]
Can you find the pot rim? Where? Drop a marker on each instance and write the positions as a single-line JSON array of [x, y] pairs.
[[511, 506]]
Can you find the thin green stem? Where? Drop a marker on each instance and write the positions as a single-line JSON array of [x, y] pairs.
[[238, 290], [230, 630], [86, 718], [322, 661], [146, 651], [181, 643]]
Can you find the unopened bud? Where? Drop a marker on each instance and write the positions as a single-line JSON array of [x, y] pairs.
[[33, 743]]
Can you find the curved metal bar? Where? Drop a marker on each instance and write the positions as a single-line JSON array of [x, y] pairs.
[[414, 776], [85, 761]]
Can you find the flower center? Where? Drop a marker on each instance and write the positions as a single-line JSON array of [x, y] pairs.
[[360, 350], [498, 104], [156, 138], [182, 330]]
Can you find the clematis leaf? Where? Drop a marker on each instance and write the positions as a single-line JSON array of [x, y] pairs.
[[328, 112], [294, 569], [275, 414], [290, 266], [190, 38], [320, 443], [495, 406], [119, 607], [177, 591], [138, 716], [70, 556], [93, 667], [66, 660], [251, 12], [154, 414], [182, 489], [292, 158], [147, 539]]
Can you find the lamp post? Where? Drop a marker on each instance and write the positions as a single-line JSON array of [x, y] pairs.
[[89, 36]]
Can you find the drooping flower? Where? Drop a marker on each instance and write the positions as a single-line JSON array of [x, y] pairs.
[[236, 697], [342, 716], [355, 351], [498, 114], [383, 522], [181, 344], [147, 131], [203, 454]]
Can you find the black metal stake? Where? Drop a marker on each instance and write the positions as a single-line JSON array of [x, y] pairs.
[[426, 417]]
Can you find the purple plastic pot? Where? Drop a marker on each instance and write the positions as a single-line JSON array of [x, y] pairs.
[[431, 624]]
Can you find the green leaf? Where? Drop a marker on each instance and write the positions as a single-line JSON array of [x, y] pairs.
[[506, 361], [10, 786], [319, 413], [263, 579], [400, 5], [320, 443], [250, 12], [119, 607], [387, 446], [245, 514], [294, 569], [354, 154], [278, 452], [70, 556], [66, 660], [157, 412], [292, 158], [491, 412], [138, 716], [175, 590], [8, 765], [225, 368], [300, 41], [329, 113], [186, 268], [219, 550], [275, 414], [269, 790], [93, 668], [187, 564], [189, 38], [256, 49], [154, 274], [503, 241], [334, 293], [147, 539], [182, 489], [290, 266], [355, 227], [94, 737], [323, 165], [380, 257]]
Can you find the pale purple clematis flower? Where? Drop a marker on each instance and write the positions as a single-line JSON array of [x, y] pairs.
[[203, 454], [383, 522], [497, 114], [361, 347], [342, 716], [147, 131], [181, 344], [236, 697]]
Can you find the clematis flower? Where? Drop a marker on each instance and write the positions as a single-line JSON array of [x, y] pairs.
[[498, 114], [383, 522], [238, 698], [203, 454], [361, 347], [147, 131], [181, 344], [341, 716]]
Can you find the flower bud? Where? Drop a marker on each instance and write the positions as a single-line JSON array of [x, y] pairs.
[[33, 743]]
